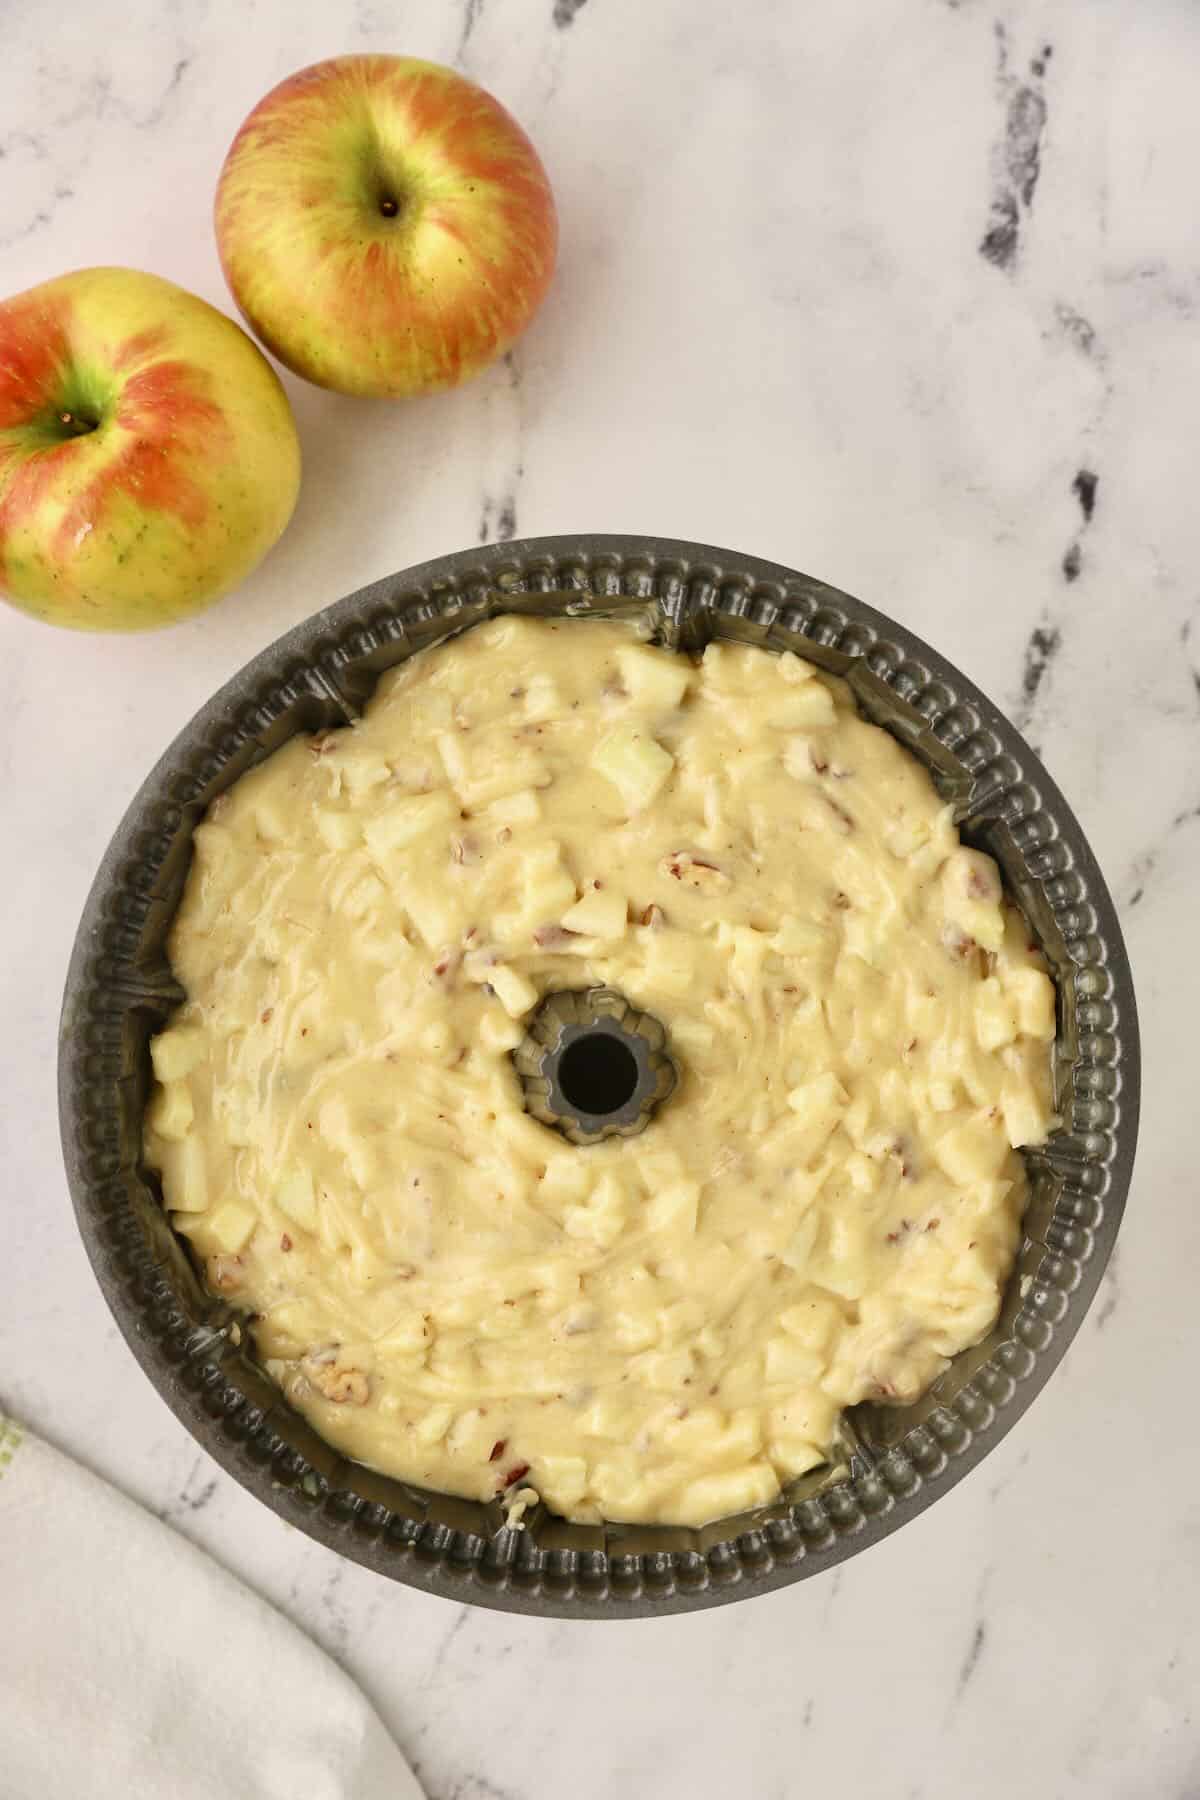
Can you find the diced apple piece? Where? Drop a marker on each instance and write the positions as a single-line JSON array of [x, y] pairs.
[[841, 1264], [185, 1176], [792, 1362], [693, 1037], [681, 1321], [812, 1321], [472, 1435], [453, 752], [675, 1209], [602, 1217], [1033, 994], [175, 1053], [904, 834], [634, 1329], [562, 1480], [521, 808], [514, 775], [658, 1165], [818, 1105], [995, 1015], [606, 1417], [406, 820], [863, 1172], [720, 665], [655, 680], [432, 1426], [296, 1197], [609, 1195], [505, 1321], [230, 1226], [793, 669], [635, 763], [669, 961], [172, 1112], [452, 1365], [733, 1491], [340, 831], [408, 1337], [549, 888], [747, 950], [807, 705], [666, 1371], [542, 698], [514, 991], [741, 1434], [288, 1328], [437, 1038], [273, 817], [601, 914], [800, 759], [499, 1033], [741, 1380], [971, 894], [565, 1180], [364, 897], [1025, 1121], [336, 1124], [214, 844], [798, 1253], [800, 938], [237, 1114], [856, 1121], [524, 1138], [971, 1152], [581, 1222], [438, 916], [792, 1456], [363, 770]]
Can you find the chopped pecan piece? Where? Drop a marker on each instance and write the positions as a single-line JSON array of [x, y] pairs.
[[553, 937], [694, 872], [344, 1385], [845, 822], [982, 877], [957, 941]]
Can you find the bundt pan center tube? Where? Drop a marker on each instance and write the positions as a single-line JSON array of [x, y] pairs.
[[591, 1065]]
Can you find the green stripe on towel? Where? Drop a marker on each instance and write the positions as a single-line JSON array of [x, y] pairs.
[[10, 1442]]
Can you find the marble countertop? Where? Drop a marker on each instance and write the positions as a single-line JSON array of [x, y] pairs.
[[907, 295]]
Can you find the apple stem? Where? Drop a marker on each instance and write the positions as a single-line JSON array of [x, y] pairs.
[[389, 206], [77, 426]]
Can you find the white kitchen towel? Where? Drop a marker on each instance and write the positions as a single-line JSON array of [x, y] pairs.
[[133, 1665]]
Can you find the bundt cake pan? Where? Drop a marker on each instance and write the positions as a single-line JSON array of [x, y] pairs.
[[897, 1461]]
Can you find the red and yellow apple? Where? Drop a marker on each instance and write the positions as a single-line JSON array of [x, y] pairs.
[[384, 225], [148, 455]]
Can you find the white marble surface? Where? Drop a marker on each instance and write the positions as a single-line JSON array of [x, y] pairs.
[[773, 328]]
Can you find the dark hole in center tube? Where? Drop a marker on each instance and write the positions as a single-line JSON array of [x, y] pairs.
[[598, 1073]]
